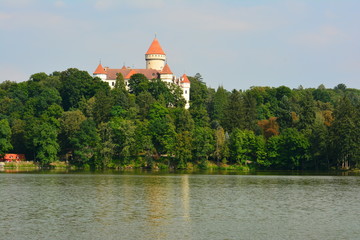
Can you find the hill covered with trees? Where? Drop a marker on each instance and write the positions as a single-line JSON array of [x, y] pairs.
[[72, 116]]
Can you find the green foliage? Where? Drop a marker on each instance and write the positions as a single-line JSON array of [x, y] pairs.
[[102, 106], [203, 143], [5, 136], [85, 143], [44, 140], [245, 147], [219, 104], [124, 138], [37, 77], [138, 83], [345, 134], [182, 149], [240, 112], [292, 150], [199, 93], [71, 115], [75, 85], [162, 129]]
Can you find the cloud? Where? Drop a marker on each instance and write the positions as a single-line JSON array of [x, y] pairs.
[[324, 36], [59, 4], [40, 21], [16, 3], [4, 16], [140, 4]]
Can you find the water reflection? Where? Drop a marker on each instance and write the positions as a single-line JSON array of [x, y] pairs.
[[178, 206], [185, 197]]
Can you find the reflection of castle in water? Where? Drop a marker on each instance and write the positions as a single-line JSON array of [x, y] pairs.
[[169, 200]]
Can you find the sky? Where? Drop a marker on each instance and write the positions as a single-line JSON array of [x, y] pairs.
[[236, 44]]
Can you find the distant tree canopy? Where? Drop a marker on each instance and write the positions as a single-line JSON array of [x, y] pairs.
[[72, 116]]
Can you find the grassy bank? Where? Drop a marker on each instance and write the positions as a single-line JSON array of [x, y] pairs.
[[18, 165], [133, 164]]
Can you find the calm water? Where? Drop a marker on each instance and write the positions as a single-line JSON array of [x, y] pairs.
[[178, 206]]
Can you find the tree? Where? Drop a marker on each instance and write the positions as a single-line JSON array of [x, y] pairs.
[[37, 77], [144, 144], [144, 101], [306, 110], [161, 128], [319, 145], [345, 134], [182, 120], [198, 92], [44, 139], [107, 146], [221, 146], [85, 143], [182, 149], [41, 138], [269, 127], [102, 106], [5, 137], [240, 112], [219, 104], [200, 116], [243, 146], [202, 144], [138, 83], [120, 94], [120, 82], [249, 111], [76, 85], [18, 130], [293, 150], [70, 123], [124, 138]]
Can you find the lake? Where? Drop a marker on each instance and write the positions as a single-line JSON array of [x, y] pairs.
[[157, 205]]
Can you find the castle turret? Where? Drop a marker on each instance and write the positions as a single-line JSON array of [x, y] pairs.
[[166, 74], [185, 86], [100, 72], [155, 57]]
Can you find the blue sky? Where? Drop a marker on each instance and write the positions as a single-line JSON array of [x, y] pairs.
[[237, 44]]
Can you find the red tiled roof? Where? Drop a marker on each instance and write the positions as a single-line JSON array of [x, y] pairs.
[[132, 72], [149, 73], [185, 79], [9, 157], [166, 70], [155, 48], [100, 70]]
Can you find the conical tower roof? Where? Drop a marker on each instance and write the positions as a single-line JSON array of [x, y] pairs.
[[155, 48], [100, 69], [185, 79], [166, 70]]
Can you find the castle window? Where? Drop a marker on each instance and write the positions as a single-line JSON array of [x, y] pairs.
[[185, 91], [113, 84]]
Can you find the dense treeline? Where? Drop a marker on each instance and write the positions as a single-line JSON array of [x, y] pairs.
[[72, 116]]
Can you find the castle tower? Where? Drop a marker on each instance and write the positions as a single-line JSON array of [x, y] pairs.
[[166, 75], [185, 86], [155, 57], [100, 72]]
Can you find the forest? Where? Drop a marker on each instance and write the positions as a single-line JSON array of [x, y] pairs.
[[71, 116]]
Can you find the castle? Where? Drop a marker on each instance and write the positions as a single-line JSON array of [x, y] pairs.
[[156, 67]]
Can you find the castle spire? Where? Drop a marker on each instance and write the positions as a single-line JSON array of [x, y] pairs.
[[155, 48], [100, 69], [166, 70]]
